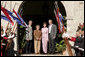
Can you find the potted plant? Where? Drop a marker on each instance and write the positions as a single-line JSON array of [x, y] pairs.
[[22, 41], [61, 47]]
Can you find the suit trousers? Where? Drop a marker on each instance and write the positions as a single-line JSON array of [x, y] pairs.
[[51, 45], [37, 46], [28, 46]]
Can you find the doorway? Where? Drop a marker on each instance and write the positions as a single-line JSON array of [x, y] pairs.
[[38, 12]]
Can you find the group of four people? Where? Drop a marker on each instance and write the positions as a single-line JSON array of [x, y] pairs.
[[45, 34]]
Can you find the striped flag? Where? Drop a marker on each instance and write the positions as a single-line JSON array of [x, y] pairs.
[[5, 18], [6, 14], [57, 17], [61, 24], [61, 19], [61, 16], [15, 17], [20, 18]]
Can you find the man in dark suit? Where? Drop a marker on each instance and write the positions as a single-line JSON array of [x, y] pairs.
[[79, 42], [52, 36], [82, 42]]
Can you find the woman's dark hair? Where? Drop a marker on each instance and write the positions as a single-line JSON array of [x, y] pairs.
[[44, 23], [29, 21]]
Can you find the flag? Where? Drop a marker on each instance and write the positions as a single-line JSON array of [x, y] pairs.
[[61, 16], [63, 27], [6, 14], [5, 18], [15, 18], [58, 20], [61, 20], [24, 21], [20, 18]]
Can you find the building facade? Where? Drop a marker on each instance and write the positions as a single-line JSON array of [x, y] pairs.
[[74, 11]]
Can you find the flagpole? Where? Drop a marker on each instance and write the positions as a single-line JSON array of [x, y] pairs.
[[14, 26], [8, 22], [10, 10], [7, 26], [68, 46], [15, 21]]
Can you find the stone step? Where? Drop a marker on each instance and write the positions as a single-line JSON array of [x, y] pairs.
[[41, 55]]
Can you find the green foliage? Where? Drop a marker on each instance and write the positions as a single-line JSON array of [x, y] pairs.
[[59, 35], [22, 33], [21, 26], [23, 42], [60, 46], [64, 17]]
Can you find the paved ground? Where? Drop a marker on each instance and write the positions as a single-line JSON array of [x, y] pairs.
[[41, 55]]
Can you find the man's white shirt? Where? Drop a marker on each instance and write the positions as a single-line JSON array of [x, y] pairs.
[[50, 26]]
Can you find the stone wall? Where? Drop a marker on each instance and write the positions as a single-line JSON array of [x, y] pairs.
[[75, 15], [74, 11]]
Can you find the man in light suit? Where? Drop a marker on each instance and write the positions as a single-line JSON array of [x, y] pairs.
[[29, 37], [52, 35]]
